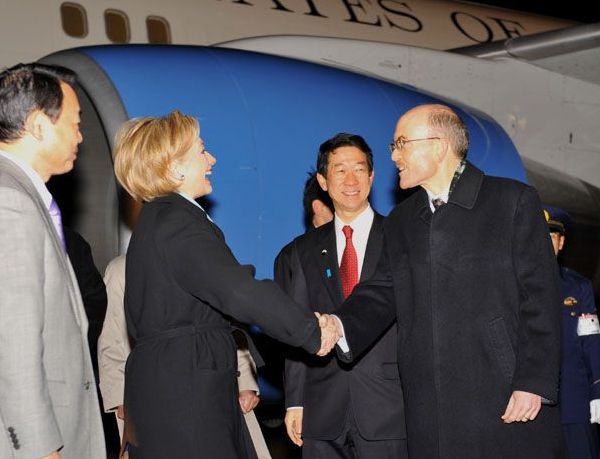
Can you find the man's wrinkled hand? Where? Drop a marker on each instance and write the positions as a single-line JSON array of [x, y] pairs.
[[248, 400], [293, 425], [522, 407], [330, 333]]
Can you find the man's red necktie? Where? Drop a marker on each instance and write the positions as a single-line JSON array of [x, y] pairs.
[[349, 264]]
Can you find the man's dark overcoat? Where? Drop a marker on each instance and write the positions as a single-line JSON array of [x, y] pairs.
[[182, 286], [476, 292]]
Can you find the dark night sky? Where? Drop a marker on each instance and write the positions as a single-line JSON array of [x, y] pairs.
[[576, 10]]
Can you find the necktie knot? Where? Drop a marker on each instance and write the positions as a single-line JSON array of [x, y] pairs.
[[437, 203], [347, 230]]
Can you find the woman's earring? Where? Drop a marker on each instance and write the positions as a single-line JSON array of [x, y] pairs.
[[178, 175]]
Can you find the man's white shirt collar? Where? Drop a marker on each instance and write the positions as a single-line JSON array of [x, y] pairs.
[[443, 196]]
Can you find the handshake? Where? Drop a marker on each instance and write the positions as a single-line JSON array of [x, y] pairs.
[[331, 332]]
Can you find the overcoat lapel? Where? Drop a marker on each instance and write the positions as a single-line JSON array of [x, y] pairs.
[[423, 209], [467, 188], [179, 200], [217, 230], [464, 195]]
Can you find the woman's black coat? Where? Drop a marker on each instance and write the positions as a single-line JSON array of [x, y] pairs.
[[182, 285]]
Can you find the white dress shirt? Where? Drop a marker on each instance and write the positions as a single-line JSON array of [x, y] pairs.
[[361, 227]]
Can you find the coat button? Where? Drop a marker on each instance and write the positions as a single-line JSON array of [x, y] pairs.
[[11, 429], [573, 314], [86, 385]]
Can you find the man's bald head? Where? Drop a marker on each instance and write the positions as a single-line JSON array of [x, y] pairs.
[[429, 142], [441, 121]]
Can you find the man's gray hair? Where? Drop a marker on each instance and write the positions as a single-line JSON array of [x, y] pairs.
[[446, 121]]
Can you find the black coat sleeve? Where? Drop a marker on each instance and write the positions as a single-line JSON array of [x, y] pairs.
[[371, 308], [204, 266], [538, 352]]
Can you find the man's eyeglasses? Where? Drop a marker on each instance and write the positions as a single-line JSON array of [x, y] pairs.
[[401, 142]]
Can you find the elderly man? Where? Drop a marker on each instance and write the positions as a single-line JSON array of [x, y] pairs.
[[337, 410], [468, 270], [48, 402]]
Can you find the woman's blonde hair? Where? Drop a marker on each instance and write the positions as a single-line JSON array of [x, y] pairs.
[[147, 147]]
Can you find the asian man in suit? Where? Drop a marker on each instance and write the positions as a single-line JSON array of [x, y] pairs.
[[48, 402], [336, 410]]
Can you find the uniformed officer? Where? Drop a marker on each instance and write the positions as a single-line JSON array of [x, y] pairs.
[[580, 359]]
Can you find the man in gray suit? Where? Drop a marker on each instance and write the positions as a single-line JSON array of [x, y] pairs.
[[48, 402]]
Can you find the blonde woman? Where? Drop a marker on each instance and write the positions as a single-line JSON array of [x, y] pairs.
[[182, 284]]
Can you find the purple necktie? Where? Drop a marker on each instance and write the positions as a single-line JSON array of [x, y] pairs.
[[57, 220]]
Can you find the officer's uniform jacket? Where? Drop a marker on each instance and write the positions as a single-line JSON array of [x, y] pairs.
[[580, 359]]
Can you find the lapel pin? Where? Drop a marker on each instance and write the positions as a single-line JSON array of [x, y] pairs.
[[328, 273], [324, 252]]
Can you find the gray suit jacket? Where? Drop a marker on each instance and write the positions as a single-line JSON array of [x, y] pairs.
[[48, 399]]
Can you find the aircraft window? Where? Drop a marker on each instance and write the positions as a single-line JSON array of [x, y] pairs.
[[74, 19], [117, 26], [158, 30]]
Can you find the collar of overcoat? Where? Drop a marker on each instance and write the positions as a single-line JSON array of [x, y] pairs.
[[464, 195], [179, 201]]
